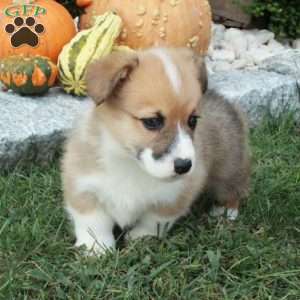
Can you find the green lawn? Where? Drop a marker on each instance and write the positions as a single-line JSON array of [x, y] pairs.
[[256, 257]]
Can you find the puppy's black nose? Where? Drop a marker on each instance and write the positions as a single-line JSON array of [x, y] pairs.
[[182, 166]]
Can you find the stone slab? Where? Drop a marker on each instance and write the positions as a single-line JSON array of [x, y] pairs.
[[285, 63], [257, 92], [32, 129]]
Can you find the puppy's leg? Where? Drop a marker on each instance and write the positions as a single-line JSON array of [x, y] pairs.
[[232, 208], [230, 188], [93, 226], [226, 204], [151, 224], [156, 222], [228, 195]]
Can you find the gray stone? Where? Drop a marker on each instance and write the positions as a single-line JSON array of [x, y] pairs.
[[287, 63], [275, 46], [251, 39], [296, 44], [32, 128], [257, 55], [218, 31], [221, 66], [239, 63], [209, 65], [264, 36], [257, 92], [223, 55], [237, 40]]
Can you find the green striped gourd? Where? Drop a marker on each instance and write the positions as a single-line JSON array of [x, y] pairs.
[[84, 48], [28, 75]]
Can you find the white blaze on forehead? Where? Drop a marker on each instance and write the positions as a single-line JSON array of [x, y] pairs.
[[170, 68], [181, 148]]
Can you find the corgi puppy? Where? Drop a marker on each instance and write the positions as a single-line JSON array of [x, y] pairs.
[[149, 145]]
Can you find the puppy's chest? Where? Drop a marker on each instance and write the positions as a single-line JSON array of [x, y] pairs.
[[127, 192]]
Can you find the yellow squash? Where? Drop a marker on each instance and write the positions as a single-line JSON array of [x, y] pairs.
[[84, 48]]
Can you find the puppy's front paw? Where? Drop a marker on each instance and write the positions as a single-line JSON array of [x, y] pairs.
[[96, 247], [158, 230], [138, 232]]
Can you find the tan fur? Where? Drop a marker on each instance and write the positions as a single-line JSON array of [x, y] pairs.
[[128, 87], [145, 98]]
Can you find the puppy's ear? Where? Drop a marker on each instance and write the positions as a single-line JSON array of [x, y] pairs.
[[202, 71], [106, 76]]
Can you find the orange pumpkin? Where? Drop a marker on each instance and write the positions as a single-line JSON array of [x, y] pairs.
[[149, 23], [34, 27], [83, 3]]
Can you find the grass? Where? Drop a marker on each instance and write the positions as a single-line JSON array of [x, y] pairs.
[[257, 257]]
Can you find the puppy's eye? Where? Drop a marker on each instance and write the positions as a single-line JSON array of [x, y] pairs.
[[155, 123], [192, 121]]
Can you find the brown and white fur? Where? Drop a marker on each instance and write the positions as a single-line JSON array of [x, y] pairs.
[[116, 171]]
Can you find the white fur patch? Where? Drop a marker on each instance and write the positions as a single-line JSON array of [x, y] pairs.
[[161, 168], [170, 68], [87, 183], [232, 214], [153, 225], [93, 230], [123, 188], [182, 148], [217, 211]]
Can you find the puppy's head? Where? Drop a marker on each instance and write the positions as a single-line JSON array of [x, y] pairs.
[[150, 102]]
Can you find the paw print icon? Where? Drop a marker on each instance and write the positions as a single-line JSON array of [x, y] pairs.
[[24, 32]]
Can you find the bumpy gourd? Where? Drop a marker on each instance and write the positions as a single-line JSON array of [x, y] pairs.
[[84, 48], [147, 23], [31, 75]]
